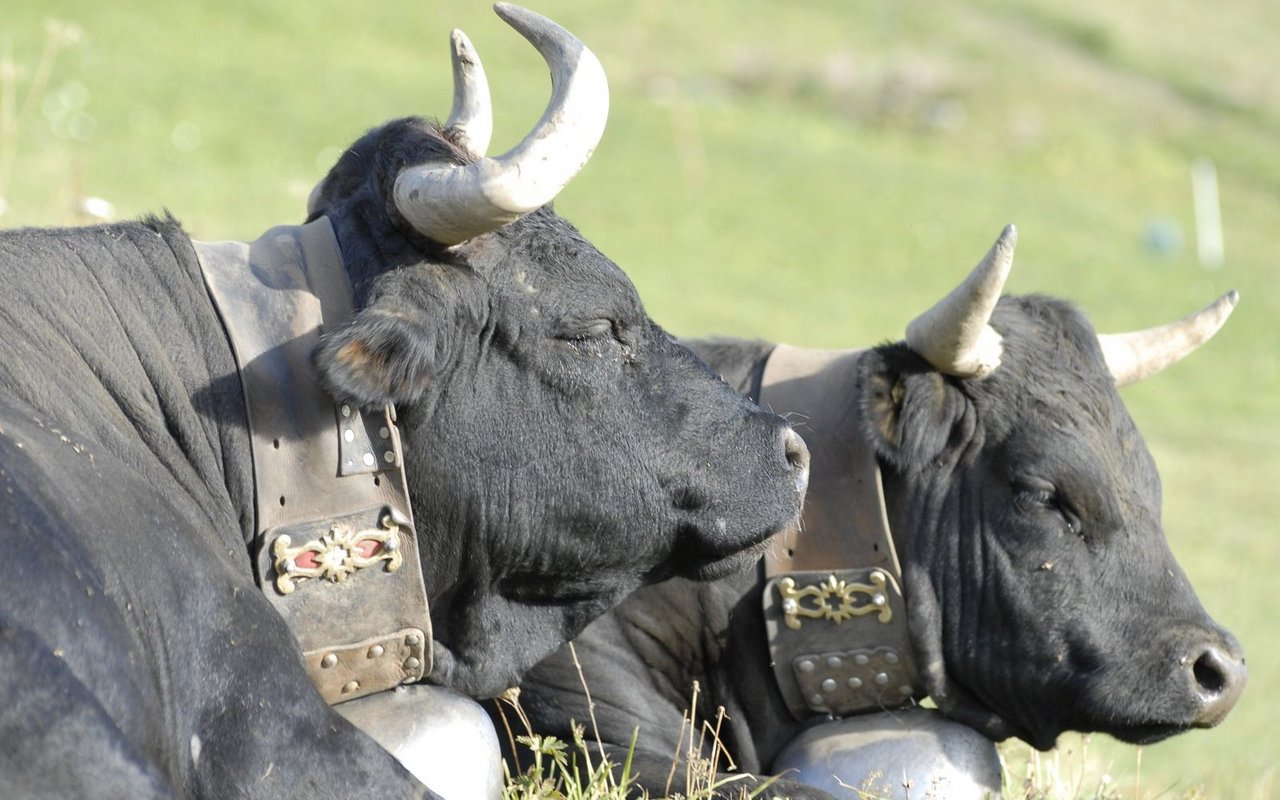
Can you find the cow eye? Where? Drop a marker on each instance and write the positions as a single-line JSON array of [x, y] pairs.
[[1043, 498], [593, 329], [1032, 499], [1029, 499]]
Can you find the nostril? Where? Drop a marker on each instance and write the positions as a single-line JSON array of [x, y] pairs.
[[797, 453], [1208, 672], [796, 450]]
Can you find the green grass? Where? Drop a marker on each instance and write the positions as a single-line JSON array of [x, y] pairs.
[[813, 172]]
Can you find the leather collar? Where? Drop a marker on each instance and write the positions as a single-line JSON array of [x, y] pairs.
[[835, 614], [334, 546]]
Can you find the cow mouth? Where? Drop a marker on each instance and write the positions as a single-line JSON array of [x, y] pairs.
[[710, 566], [1044, 737], [1148, 733]]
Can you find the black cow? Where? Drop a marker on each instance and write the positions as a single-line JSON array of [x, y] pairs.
[[561, 449], [1040, 592]]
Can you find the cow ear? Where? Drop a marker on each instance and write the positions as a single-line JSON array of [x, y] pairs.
[[910, 410], [386, 354]]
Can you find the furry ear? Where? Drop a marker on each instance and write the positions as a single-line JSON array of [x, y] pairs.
[[912, 411], [386, 354]]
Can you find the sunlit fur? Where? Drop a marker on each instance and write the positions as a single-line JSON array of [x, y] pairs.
[[1041, 592], [565, 448]]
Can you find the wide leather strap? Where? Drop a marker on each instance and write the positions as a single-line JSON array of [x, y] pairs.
[[335, 550], [835, 615]]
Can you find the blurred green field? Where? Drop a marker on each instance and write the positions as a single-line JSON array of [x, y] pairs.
[[815, 172]]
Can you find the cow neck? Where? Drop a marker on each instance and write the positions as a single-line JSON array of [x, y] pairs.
[[334, 546], [835, 613]]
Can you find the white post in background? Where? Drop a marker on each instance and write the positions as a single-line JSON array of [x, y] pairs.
[[1204, 191]]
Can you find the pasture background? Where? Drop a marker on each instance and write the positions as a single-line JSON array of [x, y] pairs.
[[815, 172]]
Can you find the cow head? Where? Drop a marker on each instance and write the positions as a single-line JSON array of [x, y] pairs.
[[561, 448], [1043, 593]]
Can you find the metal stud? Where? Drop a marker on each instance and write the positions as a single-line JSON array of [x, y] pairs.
[[882, 678], [855, 683], [376, 651], [833, 662], [861, 659], [829, 685], [891, 657], [346, 410], [412, 640], [389, 456], [350, 686], [329, 660], [806, 666], [369, 460], [412, 663], [384, 433]]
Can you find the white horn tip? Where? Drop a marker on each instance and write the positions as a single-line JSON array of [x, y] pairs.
[[1133, 356], [509, 11], [1224, 305], [955, 335], [1216, 313], [999, 261], [462, 47], [1006, 243]]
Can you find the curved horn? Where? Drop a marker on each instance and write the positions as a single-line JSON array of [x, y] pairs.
[[1140, 354], [452, 204], [471, 118], [954, 335]]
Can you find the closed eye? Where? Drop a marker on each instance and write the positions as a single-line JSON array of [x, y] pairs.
[[1043, 497], [1033, 499], [593, 329]]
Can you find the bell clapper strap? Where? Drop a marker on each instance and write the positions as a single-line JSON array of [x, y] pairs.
[[835, 614]]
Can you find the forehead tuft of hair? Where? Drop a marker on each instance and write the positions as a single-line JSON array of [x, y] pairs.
[[376, 158]]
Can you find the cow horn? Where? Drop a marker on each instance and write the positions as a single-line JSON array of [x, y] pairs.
[[471, 118], [1140, 354], [451, 204], [954, 336]]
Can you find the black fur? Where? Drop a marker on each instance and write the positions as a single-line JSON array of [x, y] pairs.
[[1042, 594], [561, 451]]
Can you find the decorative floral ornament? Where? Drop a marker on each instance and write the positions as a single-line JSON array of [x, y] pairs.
[[834, 600], [337, 554]]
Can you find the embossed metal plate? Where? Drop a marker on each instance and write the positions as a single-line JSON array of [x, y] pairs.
[[834, 600], [838, 641], [863, 678]]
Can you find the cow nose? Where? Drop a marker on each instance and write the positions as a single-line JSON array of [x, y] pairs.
[[797, 453], [1219, 676]]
